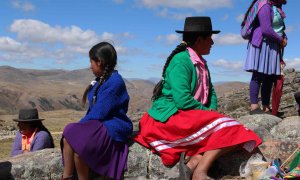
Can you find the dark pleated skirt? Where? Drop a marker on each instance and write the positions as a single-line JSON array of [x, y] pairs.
[[264, 59], [103, 155]]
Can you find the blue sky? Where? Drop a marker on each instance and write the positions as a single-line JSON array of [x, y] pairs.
[[57, 34]]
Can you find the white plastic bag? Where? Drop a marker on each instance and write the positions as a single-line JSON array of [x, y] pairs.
[[246, 167], [268, 173]]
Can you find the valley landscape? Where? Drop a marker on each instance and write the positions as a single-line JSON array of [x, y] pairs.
[[57, 96]]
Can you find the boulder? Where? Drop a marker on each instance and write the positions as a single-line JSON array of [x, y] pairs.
[[47, 164], [44, 164], [280, 139]]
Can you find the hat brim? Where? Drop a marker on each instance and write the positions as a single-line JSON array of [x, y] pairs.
[[27, 120], [199, 32]]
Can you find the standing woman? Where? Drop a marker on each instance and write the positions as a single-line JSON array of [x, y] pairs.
[[264, 49], [98, 142], [182, 123]]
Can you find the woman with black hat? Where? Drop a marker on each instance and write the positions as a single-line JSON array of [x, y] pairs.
[[182, 123], [32, 134]]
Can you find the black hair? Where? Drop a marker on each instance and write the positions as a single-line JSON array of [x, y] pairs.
[[189, 39], [40, 126], [106, 54]]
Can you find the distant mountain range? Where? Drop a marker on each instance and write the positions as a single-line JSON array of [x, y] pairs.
[[61, 89]]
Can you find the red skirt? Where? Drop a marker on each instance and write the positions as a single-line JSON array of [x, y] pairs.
[[193, 132]]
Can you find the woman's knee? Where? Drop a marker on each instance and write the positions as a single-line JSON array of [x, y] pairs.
[[65, 142], [76, 156]]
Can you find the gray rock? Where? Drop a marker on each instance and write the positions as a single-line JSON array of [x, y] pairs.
[[44, 164], [143, 164], [289, 129], [261, 124], [237, 104], [138, 161], [289, 70], [158, 171]]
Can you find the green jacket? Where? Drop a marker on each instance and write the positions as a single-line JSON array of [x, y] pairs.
[[178, 90]]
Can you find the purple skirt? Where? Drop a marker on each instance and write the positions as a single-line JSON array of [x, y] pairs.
[[264, 59], [91, 141]]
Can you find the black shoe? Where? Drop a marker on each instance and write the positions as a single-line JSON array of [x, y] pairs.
[[257, 111], [185, 173], [280, 114], [268, 112]]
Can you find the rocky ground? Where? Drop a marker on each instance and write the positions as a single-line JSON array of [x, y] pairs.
[[280, 136], [280, 139], [236, 104]]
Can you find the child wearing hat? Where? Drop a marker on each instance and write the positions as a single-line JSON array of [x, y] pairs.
[[32, 134], [183, 122]]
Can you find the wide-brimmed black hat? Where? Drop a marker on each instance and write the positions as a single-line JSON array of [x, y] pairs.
[[28, 115], [200, 24]]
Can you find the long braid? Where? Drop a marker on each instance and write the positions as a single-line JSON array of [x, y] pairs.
[[87, 89], [158, 87], [105, 75], [41, 127], [84, 97]]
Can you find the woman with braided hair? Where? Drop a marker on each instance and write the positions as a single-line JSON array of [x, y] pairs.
[[98, 142], [182, 123], [264, 50]]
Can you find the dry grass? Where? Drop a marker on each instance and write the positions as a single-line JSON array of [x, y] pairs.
[[55, 121], [5, 148]]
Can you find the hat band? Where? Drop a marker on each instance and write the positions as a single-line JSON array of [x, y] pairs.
[[197, 28]]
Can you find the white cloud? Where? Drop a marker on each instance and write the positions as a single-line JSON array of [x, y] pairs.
[[173, 15], [24, 54], [121, 49], [38, 40], [225, 17], [113, 38], [119, 1], [40, 32], [25, 6], [224, 64], [289, 29], [293, 63], [9, 44], [229, 39], [107, 36], [240, 18], [127, 35], [197, 5], [12, 50], [169, 39], [155, 67]]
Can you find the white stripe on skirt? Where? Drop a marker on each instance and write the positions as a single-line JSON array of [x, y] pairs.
[[194, 138]]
